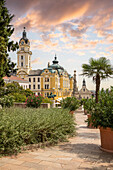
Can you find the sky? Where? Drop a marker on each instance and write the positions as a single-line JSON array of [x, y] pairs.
[[74, 30]]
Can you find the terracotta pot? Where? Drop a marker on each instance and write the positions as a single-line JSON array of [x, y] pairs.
[[72, 112], [106, 139], [89, 118], [85, 112]]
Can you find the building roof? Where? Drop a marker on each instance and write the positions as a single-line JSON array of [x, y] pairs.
[[15, 78], [35, 72], [24, 36], [55, 66]]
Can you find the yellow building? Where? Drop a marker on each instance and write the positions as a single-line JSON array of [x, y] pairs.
[[53, 79]]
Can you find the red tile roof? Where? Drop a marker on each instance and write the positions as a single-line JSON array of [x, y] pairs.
[[15, 78]]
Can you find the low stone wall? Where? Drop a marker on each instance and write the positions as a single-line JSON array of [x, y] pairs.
[[23, 105], [45, 105]]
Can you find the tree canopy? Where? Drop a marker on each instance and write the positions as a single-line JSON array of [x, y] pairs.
[[6, 45]]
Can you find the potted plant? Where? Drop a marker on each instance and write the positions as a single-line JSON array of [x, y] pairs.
[[74, 105], [102, 117], [89, 105], [71, 103], [83, 101]]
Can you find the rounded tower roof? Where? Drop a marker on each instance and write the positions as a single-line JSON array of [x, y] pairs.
[[55, 61], [24, 36], [56, 66]]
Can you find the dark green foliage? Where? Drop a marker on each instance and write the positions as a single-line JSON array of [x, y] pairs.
[[71, 103], [82, 101], [34, 101], [18, 97], [19, 127], [28, 92], [47, 100], [89, 105], [14, 89], [6, 30], [102, 114]]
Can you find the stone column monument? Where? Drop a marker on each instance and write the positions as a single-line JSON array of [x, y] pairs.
[[75, 89]]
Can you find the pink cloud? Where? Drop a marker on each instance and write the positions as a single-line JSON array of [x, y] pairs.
[[71, 17], [36, 61]]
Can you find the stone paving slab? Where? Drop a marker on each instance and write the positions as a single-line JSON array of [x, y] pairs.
[[80, 153]]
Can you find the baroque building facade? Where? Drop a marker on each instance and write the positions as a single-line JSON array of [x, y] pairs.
[[83, 93], [53, 79]]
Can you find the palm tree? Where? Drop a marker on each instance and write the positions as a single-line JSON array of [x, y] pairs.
[[98, 69]]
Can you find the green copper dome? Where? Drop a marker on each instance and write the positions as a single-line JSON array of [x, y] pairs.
[[55, 66]]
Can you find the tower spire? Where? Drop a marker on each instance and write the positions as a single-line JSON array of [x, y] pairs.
[[24, 33], [55, 57], [84, 82], [55, 60]]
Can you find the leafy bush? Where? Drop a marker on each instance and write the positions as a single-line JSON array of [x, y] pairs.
[[70, 102], [47, 100], [6, 101], [89, 105], [19, 127], [13, 88], [19, 97], [82, 101], [102, 114], [34, 101], [28, 92]]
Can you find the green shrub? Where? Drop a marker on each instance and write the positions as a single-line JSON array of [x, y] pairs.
[[28, 92], [13, 87], [82, 101], [19, 97], [19, 127], [34, 101], [47, 100], [70, 102], [6, 101], [89, 105], [102, 114]]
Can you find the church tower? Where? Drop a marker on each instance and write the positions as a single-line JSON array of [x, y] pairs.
[[84, 83], [24, 56]]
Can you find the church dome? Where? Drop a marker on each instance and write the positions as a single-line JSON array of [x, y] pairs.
[[56, 66], [24, 37]]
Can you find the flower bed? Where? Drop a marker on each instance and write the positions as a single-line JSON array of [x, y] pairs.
[[34, 101]]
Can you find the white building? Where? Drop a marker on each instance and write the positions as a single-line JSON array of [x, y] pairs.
[[22, 82], [84, 93]]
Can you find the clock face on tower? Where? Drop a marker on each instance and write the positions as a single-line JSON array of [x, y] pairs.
[[22, 42]]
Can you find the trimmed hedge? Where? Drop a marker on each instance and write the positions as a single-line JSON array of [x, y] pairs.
[[20, 127]]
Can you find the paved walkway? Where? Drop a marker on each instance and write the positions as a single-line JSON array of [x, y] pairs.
[[80, 153]]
